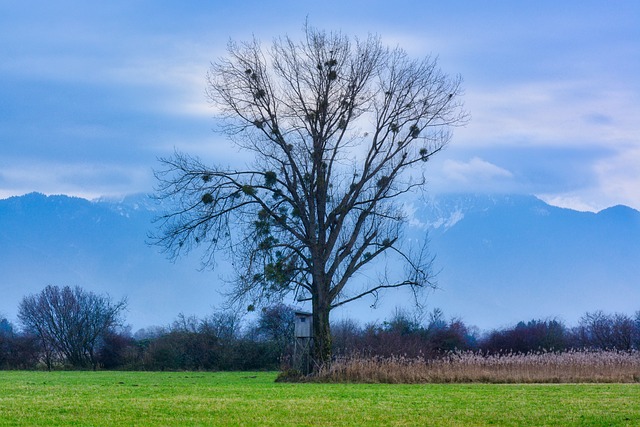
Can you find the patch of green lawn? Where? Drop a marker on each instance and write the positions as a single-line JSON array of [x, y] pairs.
[[254, 399]]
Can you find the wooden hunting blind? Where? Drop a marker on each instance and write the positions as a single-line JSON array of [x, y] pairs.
[[303, 324], [303, 341]]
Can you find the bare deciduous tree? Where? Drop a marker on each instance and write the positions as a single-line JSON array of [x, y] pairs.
[[606, 331], [69, 322], [338, 128], [277, 323]]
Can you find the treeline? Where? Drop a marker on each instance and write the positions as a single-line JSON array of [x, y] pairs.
[[69, 328], [406, 335]]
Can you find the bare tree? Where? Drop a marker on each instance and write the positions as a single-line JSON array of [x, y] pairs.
[[69, 322], [277, 323], [338, 128], [607, 331]]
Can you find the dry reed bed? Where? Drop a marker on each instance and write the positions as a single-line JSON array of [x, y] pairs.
[[468, 367]]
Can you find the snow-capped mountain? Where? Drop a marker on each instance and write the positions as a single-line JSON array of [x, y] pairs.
[[500, 259], [516, 257], [100, 246]]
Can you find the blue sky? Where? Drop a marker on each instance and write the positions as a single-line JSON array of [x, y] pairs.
[[92, 93]]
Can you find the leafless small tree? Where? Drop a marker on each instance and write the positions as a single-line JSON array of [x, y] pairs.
[[277, 323], [338, 128], [69, 322], [606, 331]]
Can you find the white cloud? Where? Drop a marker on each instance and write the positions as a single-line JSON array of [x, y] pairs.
[[619, 177], [550, 113], [569, 201], [180, 86], [535, 76], [617, 181], [577, 115], [474, 171], [83, 180]]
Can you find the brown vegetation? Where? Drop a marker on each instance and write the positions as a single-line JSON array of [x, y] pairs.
[[467, 367]]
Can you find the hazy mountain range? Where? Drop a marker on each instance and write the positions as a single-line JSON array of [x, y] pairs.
[[499, 259], [516, 257]]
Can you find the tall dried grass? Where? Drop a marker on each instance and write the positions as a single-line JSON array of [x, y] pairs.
[[468, 367]]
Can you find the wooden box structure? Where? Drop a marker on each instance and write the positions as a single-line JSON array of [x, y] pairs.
[[303, 341], [303, 324]]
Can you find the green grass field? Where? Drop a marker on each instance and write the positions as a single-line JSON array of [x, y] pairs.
[[241, 398]]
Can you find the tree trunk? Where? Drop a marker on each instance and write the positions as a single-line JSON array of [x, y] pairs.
[[321, 332]]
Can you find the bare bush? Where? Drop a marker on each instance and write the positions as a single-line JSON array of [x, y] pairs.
[[606, 331], [535, 335], [405, 335], [70, 323]]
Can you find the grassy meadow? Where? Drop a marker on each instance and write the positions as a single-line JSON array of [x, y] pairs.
[[254, 399]]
